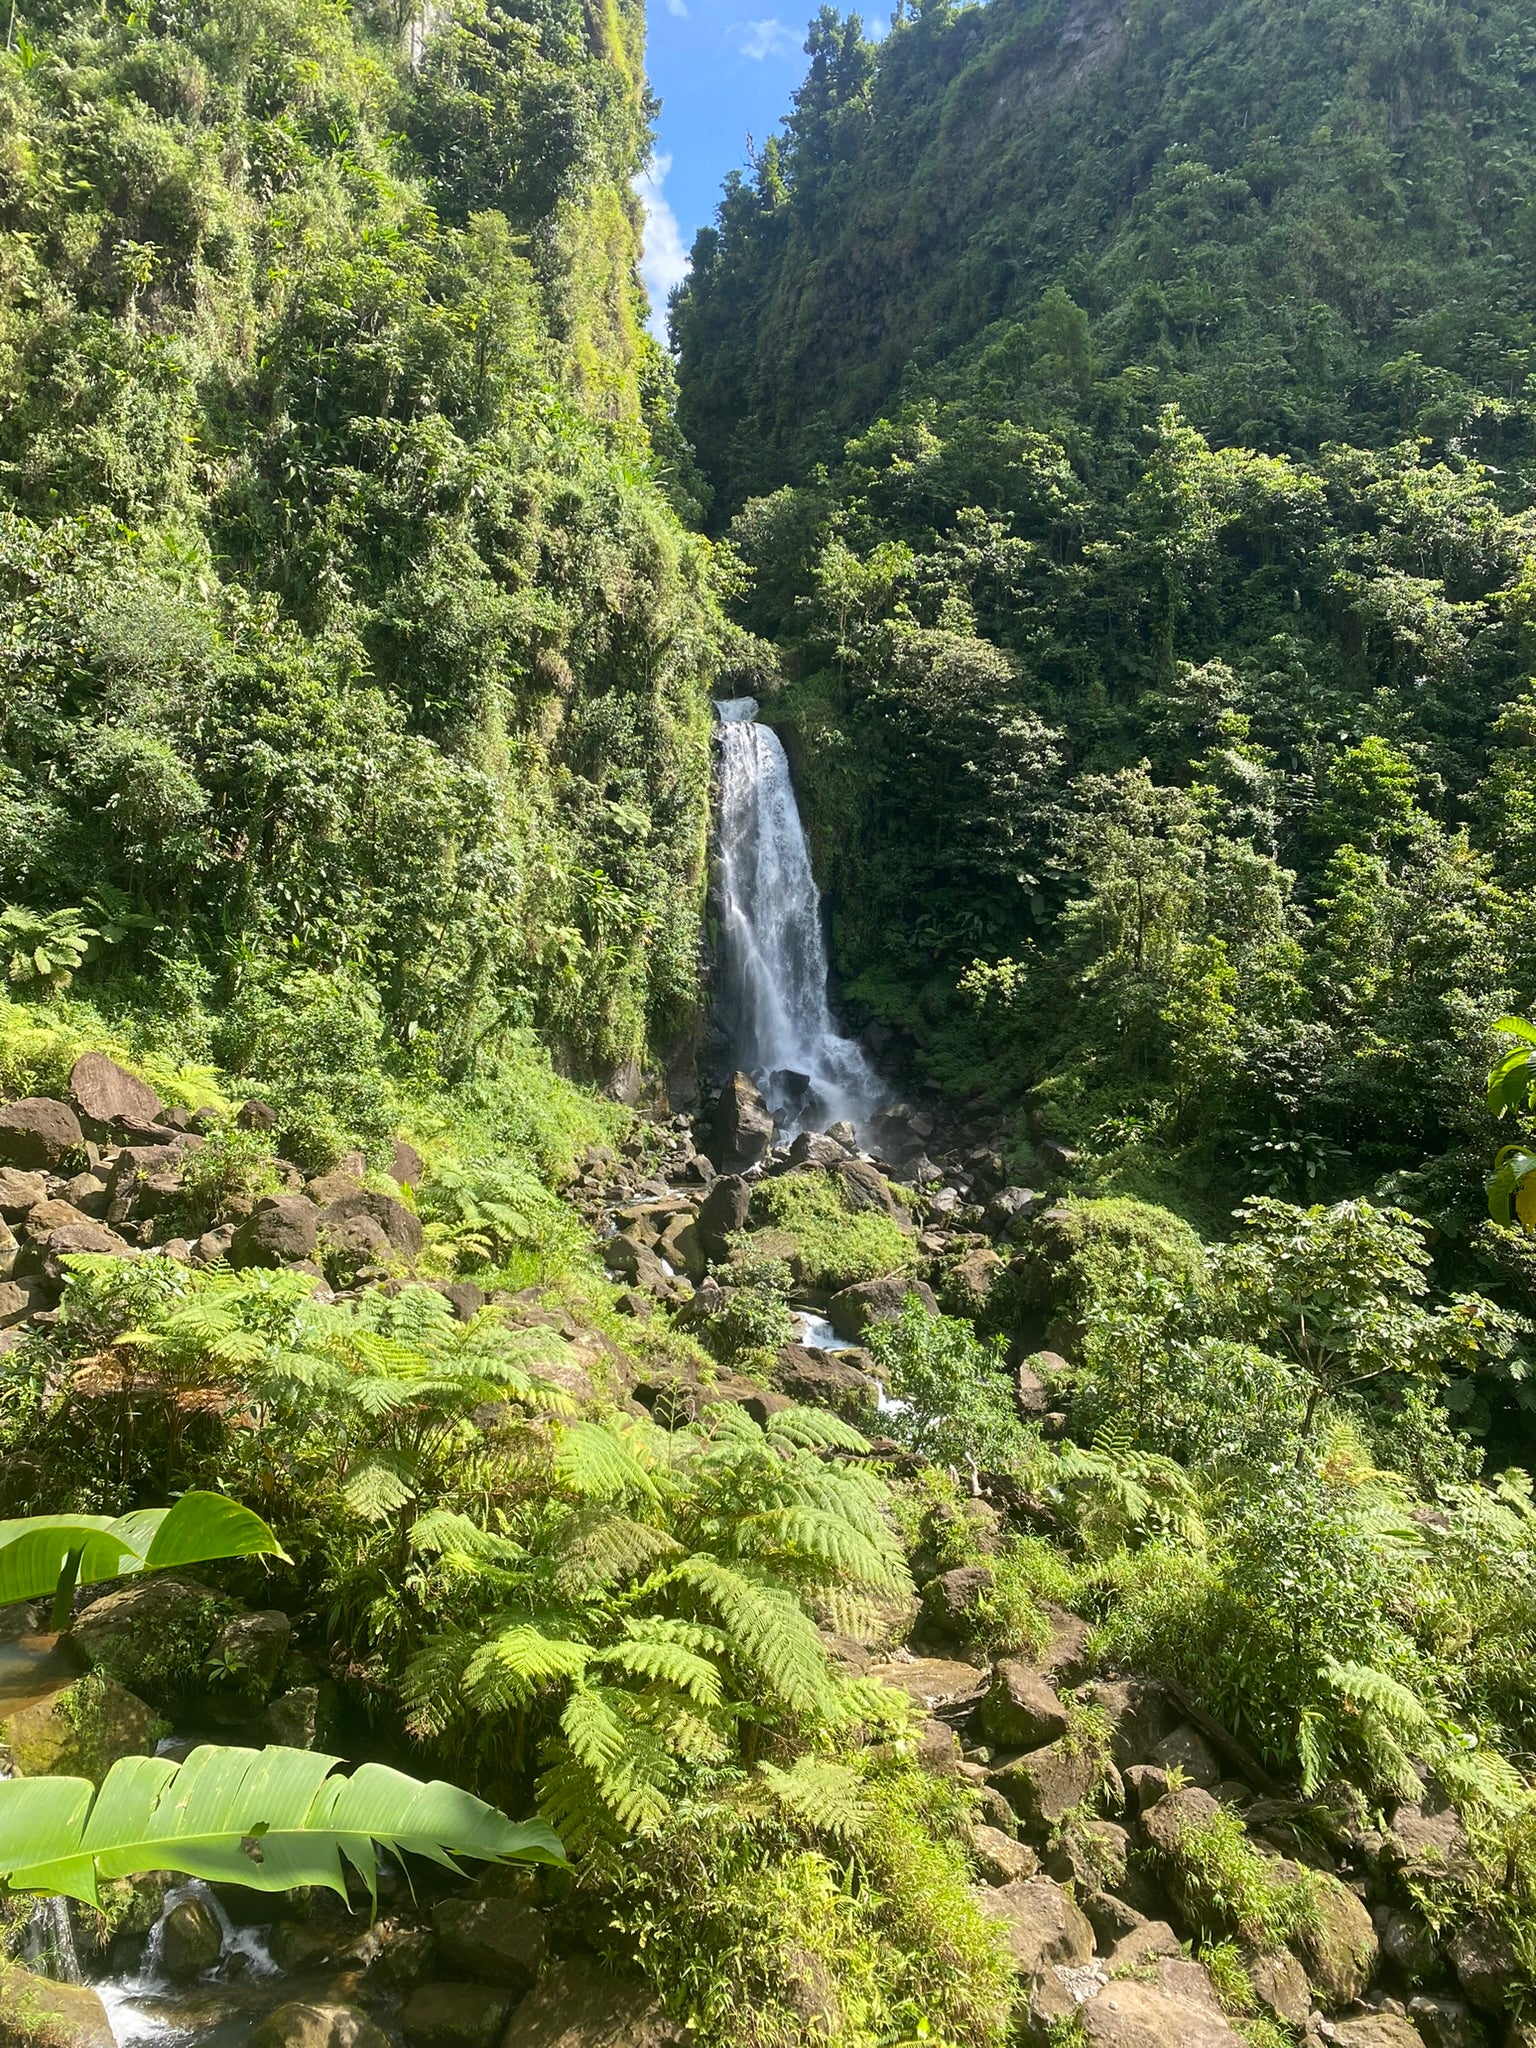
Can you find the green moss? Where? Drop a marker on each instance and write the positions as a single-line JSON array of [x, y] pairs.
[[834, 1244]]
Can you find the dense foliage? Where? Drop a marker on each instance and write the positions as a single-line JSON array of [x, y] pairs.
[[349, 627]]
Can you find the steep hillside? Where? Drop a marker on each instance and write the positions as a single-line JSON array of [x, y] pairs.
[[349, 628], [1300, 224]]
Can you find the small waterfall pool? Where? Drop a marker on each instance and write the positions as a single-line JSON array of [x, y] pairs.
[[771, 982]]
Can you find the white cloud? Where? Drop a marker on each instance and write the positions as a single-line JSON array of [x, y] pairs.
[[679, 8], [664, 260], [760, 39]]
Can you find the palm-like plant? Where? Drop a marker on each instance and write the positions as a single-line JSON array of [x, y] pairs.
[[271, 1820], [654, 1610], [46, 946]]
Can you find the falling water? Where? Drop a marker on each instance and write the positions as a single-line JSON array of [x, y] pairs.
[[772, 983]]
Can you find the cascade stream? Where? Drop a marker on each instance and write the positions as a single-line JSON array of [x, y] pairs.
[[771, 979]]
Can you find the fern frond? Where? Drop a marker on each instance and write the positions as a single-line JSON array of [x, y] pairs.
[[770, 1632], [670, 1663], [374, 1491], [815, 1429], [820, 1795], [595, 1461], [517, 1662]]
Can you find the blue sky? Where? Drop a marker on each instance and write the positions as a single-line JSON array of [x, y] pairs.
[[723, 71]]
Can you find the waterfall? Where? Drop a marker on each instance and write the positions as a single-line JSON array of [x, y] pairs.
[[772, 980]]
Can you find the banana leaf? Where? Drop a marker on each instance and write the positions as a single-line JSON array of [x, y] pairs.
[[273, 1820], [35, 1552]]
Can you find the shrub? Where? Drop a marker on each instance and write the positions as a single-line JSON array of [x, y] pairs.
[[1228, 1888], [952, 1401]]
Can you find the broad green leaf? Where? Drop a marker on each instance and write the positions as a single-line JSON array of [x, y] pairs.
[[273, 1820]]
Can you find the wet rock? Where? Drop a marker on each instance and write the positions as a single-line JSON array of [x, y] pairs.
[[500, 1941], [79, 1731], [1021, 1709], [742, 1129], [191, 1940], [851, 1311], [723, 1213], [683, 1248], [37, 1133], [816, 1148], [1040, 1923], [37, 2013], [456, 2015], [301, 1718], [1044, 1786], [279, 1229], [579, 2005], [105, 1094], [300, 2024]]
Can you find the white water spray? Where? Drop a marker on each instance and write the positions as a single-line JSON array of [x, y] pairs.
[[772, 982]]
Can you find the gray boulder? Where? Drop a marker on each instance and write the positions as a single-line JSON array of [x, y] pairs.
[[105, 1094], [722, 1213], [38, 1133], [742, 1129], [1021, 1709], [371, 1227], [1041, 1924], [456, 2015], [500, 1941], [579, 2005], [851, 1311], [280, 1230]]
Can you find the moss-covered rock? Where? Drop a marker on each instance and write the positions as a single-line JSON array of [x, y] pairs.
[[36, 2013], [1080, 1252], [154, 1635], [79, 1731]]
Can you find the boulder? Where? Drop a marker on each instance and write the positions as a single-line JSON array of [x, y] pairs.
[[815, 1148], [1187, 1750], [37, 2013], [722, 1213], [256, 1115], [873, 1301], [936, 1683], [1043, 1787], [1021, 1709], [302, 1717], [456, 2015], [1484, 1962], [865, 1189], [19, 1192], [70, 1239], [279, 1230], [999, 1858], [1140, 1715], [334, 1186], [1030, 1394], [37, 1133], [1340, 1948], [1040, 1923], [1406, 1943], [1427, 1836], [950, 1602], [1280, 1985], [500, 1941], [1446, 2023], [18, 1300], [682, 1247], [1011, 1209], [1172, 2006], [1090, 1855], [80, 1731], [252, 1648], [302, 2025], [105, 1094], [191, 1940], [970, 1283], [1163, 1823], [742, 1129], [151, 1633], [579, 2005], [1377, 2030], [1142, 1945], [368, 1227], [825, 1379]]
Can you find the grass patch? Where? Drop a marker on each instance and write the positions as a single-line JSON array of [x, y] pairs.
[[835, 1245]]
